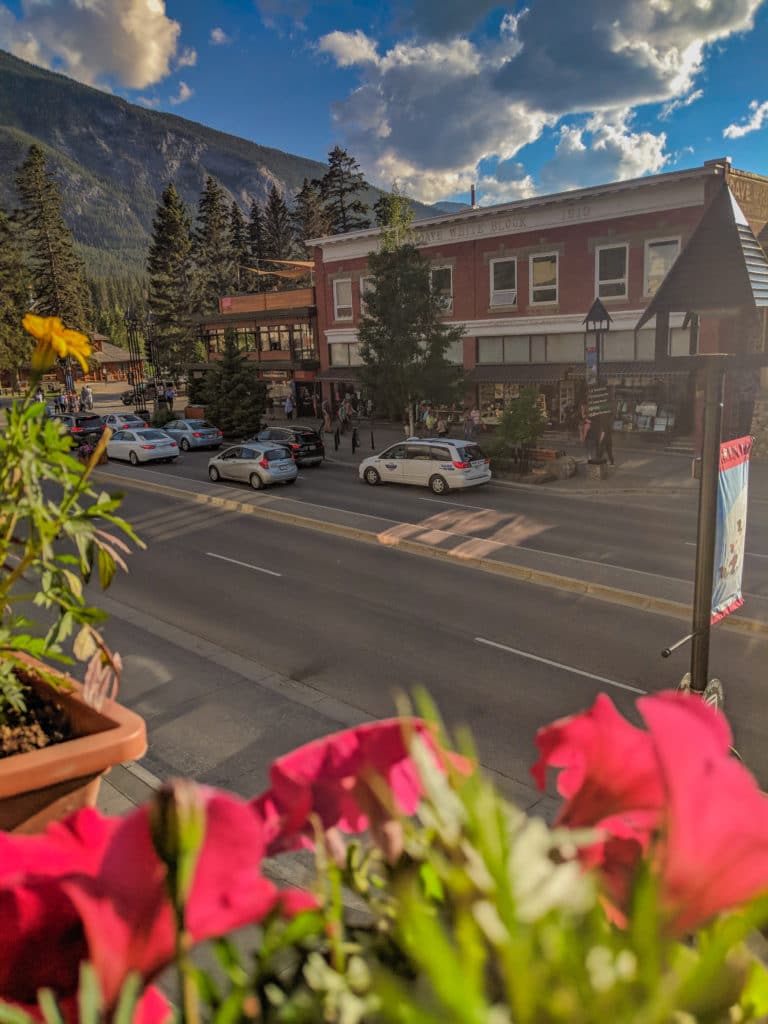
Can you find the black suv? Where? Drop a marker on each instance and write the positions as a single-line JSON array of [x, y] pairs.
[[82, 426], [304, 443]]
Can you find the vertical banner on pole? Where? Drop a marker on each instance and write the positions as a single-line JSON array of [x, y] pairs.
[[731, 532]]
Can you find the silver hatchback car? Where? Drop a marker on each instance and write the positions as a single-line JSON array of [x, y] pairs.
[[259, 465]]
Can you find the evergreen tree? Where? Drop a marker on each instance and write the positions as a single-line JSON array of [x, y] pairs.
[[58, 278], [212, 250], [339, 188], [238, 243], [169, 270], [15, 343], [234, 397], [309, 216], [394, 214], [403, 340], [279, 241], [257, 283]]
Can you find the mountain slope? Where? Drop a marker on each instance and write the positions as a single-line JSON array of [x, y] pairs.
[[113, 159]]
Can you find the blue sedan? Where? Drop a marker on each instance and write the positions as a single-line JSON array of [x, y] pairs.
[[194, 434]]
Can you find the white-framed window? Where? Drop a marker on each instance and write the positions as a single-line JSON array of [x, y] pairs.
[[503, 282], [366, 285], [441, 282], [543, 274], [506, 349], [660, 254], [342, 299], [612, 271], [344, 353], [454, 352]]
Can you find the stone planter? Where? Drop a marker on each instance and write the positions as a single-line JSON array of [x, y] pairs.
[[45, 785], [597, 470]]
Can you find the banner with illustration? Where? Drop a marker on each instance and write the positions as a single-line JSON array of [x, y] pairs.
[[731, 527]]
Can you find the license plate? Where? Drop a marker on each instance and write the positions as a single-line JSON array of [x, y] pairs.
[[478, 464], [313, 448]]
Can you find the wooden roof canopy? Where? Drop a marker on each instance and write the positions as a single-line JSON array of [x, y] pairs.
[[722, 270]]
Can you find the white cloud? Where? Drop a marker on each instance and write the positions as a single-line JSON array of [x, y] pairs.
[[348, 48], [757, 118], [685, 101], [603, 150], [131, 43], [435, 104], [219, 37], [182, 95], [148, 101], [187, 58]]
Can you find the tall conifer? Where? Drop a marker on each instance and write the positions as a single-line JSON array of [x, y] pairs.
[[340, 188], [239, 248], [57, 273], [170, 278], [214, 265], [257, 283], [279, 241], [309, 217], [15, 343]]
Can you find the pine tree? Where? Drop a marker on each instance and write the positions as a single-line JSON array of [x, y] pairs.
[[169, 268], [238, 244], [394, 214], [403, 340], [309, 216], [339, 189], [279, 241], [15, 343], [212, 252], [257, 283], [234, 397], [58, 277]]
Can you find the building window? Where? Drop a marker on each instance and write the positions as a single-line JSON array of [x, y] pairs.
[[344, 354], [454, 352], [441, 281], [342, 299], [611, 263], [503, 282], [490, 350], [366, 285], [565, 348], [508, 349], [303, 342], [544, 278], [660, 254]]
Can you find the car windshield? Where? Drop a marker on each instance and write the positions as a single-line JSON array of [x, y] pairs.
[[201, 425], [472, 452], [153, 435]]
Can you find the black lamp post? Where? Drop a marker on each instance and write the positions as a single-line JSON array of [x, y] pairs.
[[596, 323]]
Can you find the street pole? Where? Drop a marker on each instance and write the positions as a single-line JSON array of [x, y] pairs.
[[707, 524]]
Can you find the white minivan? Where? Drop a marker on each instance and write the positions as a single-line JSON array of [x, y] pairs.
[[439, 463]]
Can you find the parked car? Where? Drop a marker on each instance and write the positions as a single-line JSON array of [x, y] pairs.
[[304, 443], [81, 426], [146, 391], [433, 462], [123, 420], [193, 434], [138, 446], [254, 463]]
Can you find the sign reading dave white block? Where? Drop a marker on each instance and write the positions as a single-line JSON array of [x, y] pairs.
[[731, 532]]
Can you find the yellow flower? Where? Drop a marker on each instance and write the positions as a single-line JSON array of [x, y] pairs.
[[54, 339]]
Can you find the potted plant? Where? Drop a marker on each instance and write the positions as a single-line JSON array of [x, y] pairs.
[[56, 737]]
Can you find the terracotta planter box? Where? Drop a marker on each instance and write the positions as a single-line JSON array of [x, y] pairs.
[[45, 785]]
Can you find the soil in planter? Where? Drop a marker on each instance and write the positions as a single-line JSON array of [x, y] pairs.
[[41, 725]]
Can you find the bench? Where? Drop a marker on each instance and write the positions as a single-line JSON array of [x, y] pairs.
[[546, 454]]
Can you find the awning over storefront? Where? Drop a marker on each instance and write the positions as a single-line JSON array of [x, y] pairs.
[[338, 373], [546, 373]]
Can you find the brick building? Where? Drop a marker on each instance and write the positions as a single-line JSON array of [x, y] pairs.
[[277, 331], [521, 276]]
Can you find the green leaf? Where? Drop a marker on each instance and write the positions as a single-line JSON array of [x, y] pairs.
[[89, 996], [14, 1015], [46, 1000], [129, 996], [106, 566], [754, 997]]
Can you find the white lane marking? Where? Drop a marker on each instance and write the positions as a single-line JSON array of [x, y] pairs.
[[460, 504], [557, 664], [245, 565], [750, 554]]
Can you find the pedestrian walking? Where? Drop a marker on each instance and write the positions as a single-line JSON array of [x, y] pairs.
[[39, 397], [288, 406], [467, 425], [170, 394], [89, 397], [476, 420], [441, 427], [325, 408], [605, 450]]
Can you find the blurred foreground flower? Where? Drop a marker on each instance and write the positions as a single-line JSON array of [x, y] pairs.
[[54, 339]]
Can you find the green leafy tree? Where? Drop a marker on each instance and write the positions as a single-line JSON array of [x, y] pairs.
[[523, 421], [212, 249], [279, 240], [403, 341], [169, 268], [234, 397], [256, 282], [238, 244], [58, 277], [15, 343], [340, 189], [394, 214], [309, 217]]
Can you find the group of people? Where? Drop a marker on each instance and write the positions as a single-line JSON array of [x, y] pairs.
[[69, 401]]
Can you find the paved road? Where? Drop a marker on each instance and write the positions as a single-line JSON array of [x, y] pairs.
[[352, 624], [650, 533]]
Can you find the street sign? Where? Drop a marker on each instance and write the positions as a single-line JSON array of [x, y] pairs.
[[730, 536], [597, 401]]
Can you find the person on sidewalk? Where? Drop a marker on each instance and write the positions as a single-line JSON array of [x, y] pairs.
[[325, 408], [605, 449], [288, 407], [170, 394]]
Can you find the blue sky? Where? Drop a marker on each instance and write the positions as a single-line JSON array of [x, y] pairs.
[[536, 96]]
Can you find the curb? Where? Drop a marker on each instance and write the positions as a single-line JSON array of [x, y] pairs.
[[538, 577]]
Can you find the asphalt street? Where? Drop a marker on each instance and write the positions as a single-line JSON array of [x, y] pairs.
[[348, 625], [650, 533]]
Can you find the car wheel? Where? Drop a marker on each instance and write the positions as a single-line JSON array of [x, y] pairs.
[[256, 482], [213, 474], [438, 485], [133, 458], [184, 444], [371, 476]]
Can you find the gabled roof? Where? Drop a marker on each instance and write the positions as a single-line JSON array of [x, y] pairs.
[[722, 266], [109, 353]]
